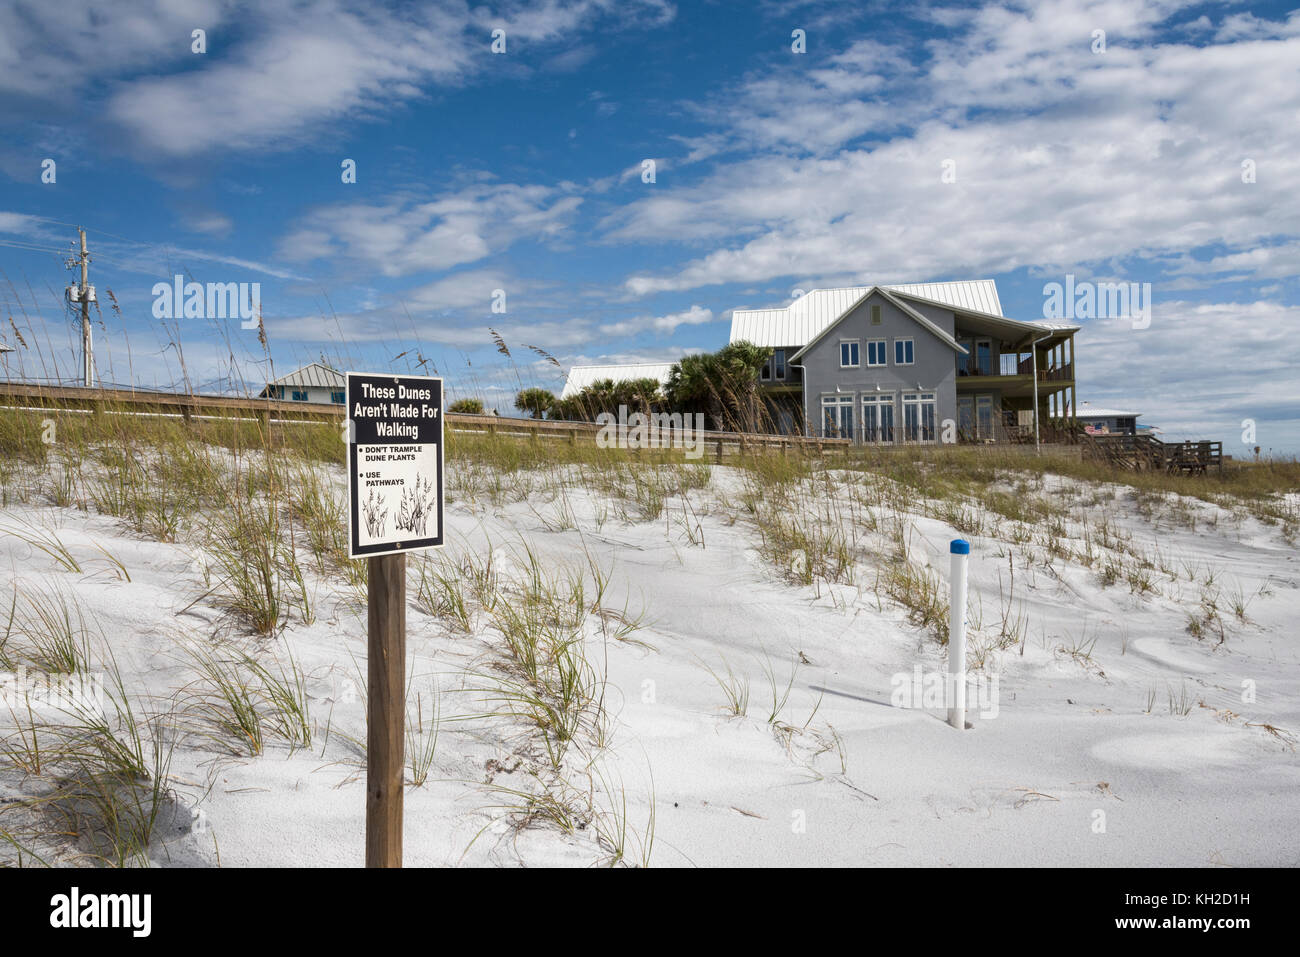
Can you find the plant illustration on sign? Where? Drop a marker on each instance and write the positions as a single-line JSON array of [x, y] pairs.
[[417, 502], [375, 514]]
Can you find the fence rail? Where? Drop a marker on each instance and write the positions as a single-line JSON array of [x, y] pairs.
[[1131, 452], [1147, 453], [191, 405]]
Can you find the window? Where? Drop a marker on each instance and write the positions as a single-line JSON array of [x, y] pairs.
[[878, 418], [875, 315], [774, 368], [337, 398], [877, 352], [918, 417], [849, 355], [837, 416], [299, 395], [984, 416], [966, 417], [983, 357], [903, 352]]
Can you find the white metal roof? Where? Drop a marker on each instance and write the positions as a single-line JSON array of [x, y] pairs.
[[906, 309], [980, 295], [582, 376], [315, 375], [5, 348], [800, 322], [1088, 411]]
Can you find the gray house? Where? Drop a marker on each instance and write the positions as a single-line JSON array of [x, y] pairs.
[[889, 364], [312, 383]]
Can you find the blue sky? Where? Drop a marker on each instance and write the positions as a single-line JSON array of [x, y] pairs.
[[774, 171]]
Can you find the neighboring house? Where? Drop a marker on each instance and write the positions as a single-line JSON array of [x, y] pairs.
[[1098, 421], [580, 377], [888, 364], [312, 383]]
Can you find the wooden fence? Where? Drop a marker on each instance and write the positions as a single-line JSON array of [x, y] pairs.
[[1129, 452], [1140, 453], [189, 405]]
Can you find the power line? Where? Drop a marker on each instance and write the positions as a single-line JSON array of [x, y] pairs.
[[20, 244]]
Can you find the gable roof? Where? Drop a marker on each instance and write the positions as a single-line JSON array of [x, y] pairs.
[[316, 375], [903, 307], [582, 376], [808, 316], [1004, 326]]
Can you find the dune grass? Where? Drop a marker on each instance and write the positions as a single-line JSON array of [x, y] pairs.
[[263, 507]]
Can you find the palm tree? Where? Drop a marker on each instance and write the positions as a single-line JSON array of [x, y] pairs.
[[722, 384], [740, 364], [534, 401]]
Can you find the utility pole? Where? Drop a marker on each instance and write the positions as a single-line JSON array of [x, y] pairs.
[[85, 295], [87, 350]]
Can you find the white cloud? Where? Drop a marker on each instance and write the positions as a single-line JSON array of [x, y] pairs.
[[295, 70], [275, 73], [1200, 369], [1062, 156], [694, 316], [1246, 26], [390, 324], [19, 224], [473, 288], [48, 50], [403, 236]]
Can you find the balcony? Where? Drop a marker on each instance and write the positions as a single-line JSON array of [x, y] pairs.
[[1012, 376]]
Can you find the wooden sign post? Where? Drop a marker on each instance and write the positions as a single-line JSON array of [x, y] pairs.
[[386, 705], [395, 497]]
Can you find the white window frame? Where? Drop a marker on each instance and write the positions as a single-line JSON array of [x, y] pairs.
[[898, 342], [920, 400], [857, 343], [838, 401], [778, 371], [878, 401], [884, 361]]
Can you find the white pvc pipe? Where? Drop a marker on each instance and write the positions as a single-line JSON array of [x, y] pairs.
[[960, 551]]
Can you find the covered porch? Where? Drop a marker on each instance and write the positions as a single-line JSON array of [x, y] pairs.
[[996, 378]]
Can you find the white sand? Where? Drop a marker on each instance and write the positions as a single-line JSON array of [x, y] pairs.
[[1070, 739]]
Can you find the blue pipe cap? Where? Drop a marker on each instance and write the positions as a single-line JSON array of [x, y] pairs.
[[959, 546]]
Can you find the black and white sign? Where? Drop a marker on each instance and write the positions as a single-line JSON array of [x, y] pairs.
[[394, 463]]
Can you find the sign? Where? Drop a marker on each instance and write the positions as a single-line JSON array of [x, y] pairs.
[[394, 463]]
